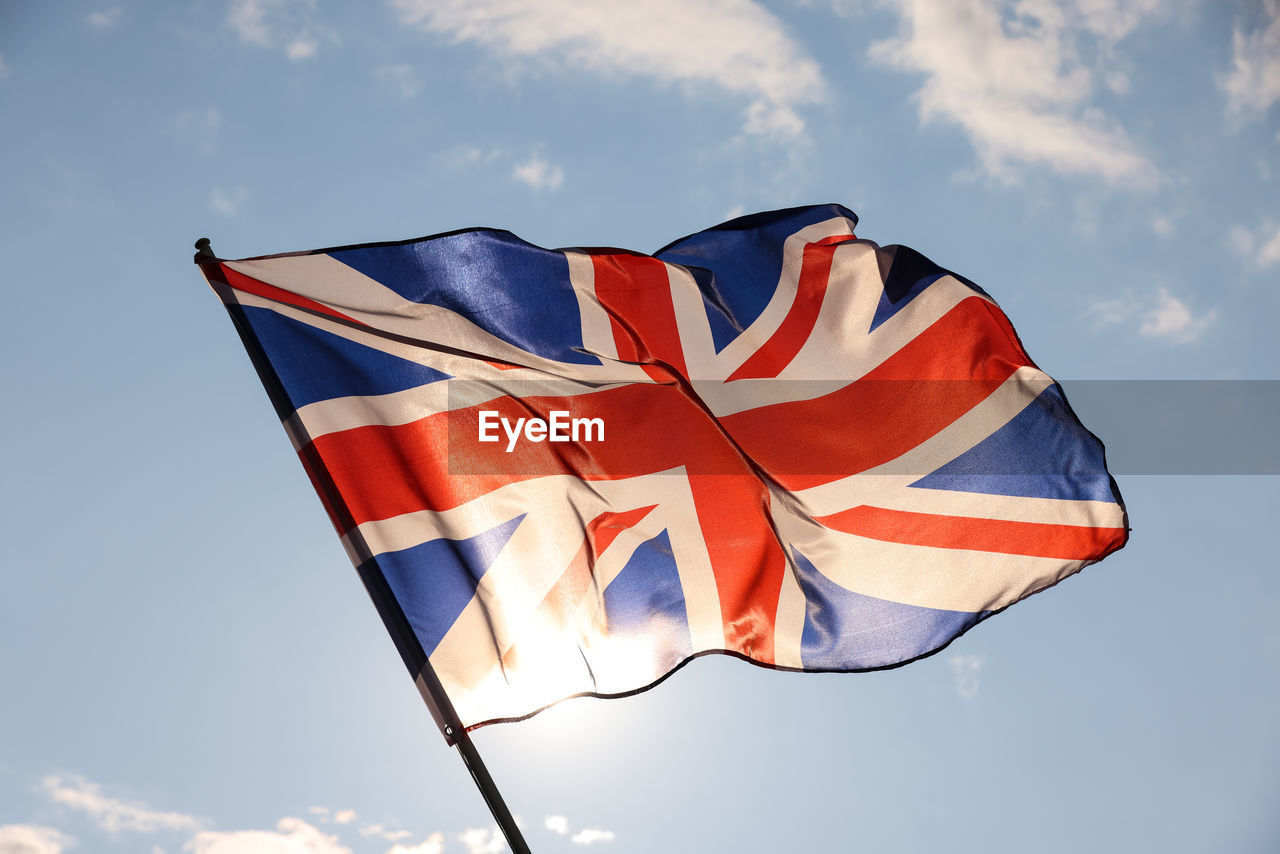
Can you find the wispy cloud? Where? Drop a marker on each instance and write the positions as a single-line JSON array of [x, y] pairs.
[[559, 824], [727, 46], [111, 814], [1173, 320], [1269, 252], [966, 669], [478, 840], [433, 844], [1158, 315], [32, 839], [1259, 246], [1253, 83], [591, 835], [1012, 76], [103, 20], [301, 47], [290, 835], [538, 174], [401, 78], [228, 202], [383, 833], [465, 156], [1162, 226], [249, 19], [534, 171], [287, 24]]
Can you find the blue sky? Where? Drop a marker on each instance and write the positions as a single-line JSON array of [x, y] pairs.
[[189, 662]]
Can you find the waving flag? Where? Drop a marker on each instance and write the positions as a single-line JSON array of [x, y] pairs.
[[569, 472]]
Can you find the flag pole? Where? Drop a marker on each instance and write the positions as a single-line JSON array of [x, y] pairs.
[[455, 734], [492, 797], [441, 708]]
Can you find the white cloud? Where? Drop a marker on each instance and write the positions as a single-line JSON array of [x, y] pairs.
[[1253, 84], [382, 833], [291, 836], [1259, 246], [248, 19], [302, 47], [1112, 312], [1172, 319], [734, 46], [228, 202], [433, 844], [557, 824], [1113, 20], [481, 841], [1162, 226], [470, 155], [344, 816], [537, 174], [1159, 315], [111, 814], [591, 835], [1269, 254], [32, 839], [966, 669], [272, 23], [320, 812], [1240, 239], [103, 20], [1011, 76]]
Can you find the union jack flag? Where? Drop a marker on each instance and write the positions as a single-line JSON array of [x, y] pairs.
[[797, 447]]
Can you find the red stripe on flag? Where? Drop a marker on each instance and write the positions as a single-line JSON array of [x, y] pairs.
[[383, 472], [636, 292], [938, 376], [797, 326], [249, 285], [1035, 539], [437, 462], [746, 559], [605, 528]]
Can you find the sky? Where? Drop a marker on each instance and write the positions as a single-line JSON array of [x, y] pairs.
[[188, 662]]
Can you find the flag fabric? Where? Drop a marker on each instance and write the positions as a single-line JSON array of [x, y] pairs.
[[569, 472]]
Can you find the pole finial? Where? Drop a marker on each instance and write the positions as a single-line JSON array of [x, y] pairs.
[[204, 250]]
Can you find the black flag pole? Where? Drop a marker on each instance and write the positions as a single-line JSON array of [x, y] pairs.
[[492, 797], [456, 735], [446, 717]]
